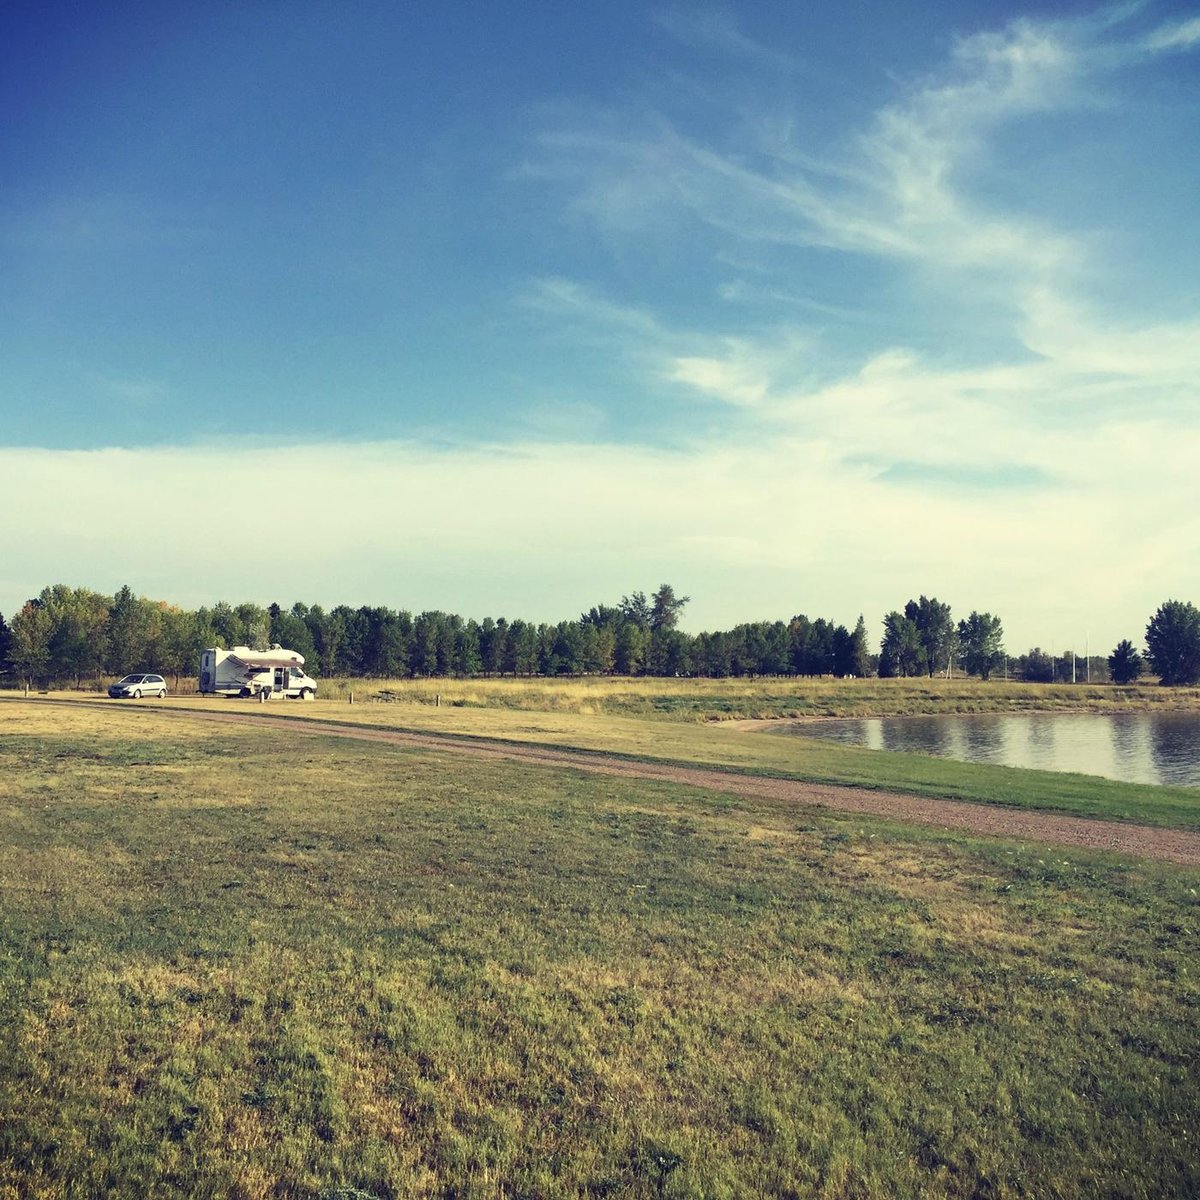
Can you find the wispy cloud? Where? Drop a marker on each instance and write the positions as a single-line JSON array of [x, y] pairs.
[[1182, 35], [895, 193], [568, 300], [715, 28], [903, 194], [133, 390], [1086, 405], [726, 379]]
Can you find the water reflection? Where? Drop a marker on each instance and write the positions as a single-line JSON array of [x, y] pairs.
[[1133, 747], [1174, 746], [982, 739]]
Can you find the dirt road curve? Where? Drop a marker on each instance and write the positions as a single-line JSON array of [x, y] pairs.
[[1169, 845]]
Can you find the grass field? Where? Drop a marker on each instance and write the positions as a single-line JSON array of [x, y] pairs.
[[721, 744], [250, 964]]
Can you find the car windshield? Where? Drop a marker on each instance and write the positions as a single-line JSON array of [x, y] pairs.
[[132, 679]]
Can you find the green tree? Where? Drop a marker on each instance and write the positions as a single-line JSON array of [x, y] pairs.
[[78, 618], [30, 642], [860, 651], [224, 625], [492, 643], [5, 647], [843, 652], [128, 633], [666, 607], [800, 644], [629, 654], [935, 630], [711, 655], [291, 631], [467, 660], [1037, 666], [604, 650], [254, 625], [981, 644], [636, 609], [901, 652], [1173, 643], [1124, 663], [172, 644], [521, 648]]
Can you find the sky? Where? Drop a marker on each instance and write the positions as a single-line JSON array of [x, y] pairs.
[[514, 309]]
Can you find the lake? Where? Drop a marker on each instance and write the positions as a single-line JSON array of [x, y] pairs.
[[1136, 747]]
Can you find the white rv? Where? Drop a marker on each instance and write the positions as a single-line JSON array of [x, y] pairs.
[[264, 673]]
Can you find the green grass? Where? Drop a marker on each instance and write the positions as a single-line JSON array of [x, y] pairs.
[[256, 964], [812, 759]]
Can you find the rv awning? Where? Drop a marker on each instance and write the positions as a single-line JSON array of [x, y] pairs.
[[266, 658]]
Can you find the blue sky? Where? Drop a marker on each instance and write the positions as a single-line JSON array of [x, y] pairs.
[[513, 309]]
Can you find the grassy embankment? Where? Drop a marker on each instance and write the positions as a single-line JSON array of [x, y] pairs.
[[733, 699], [252, 965]]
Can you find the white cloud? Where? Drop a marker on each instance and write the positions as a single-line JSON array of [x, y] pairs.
[[896, 193], [753, 530], [1179, 36], [725, 379]]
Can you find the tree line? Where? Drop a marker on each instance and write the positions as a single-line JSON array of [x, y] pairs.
[[74, 633]]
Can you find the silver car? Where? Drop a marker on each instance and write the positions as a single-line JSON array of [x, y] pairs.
[[137, 686]]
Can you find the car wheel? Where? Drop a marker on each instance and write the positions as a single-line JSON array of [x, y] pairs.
[[162, 695], [137, 695]]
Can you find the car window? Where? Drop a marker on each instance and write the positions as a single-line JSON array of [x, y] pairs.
[[154, 679]]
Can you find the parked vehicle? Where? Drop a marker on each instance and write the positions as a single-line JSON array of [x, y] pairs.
[[134, 687], [264, 673]]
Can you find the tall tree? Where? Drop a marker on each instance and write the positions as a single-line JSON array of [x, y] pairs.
[[467, 660], [30, 644], [935, 630], [629, 654], [666, 607], [1124, 663], [224, 625], [844, 657], [291, 631], [1173, 643], [636, 609], [981, 643], [5, 646], [901, 652], [78, 620], [800, 639], [253, 625], [860, 652], [128, 632]]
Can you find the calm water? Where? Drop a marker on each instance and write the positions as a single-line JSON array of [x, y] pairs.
[[1133, 747]]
